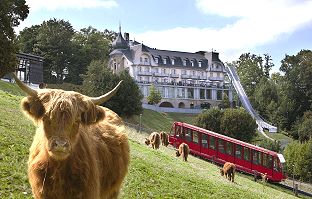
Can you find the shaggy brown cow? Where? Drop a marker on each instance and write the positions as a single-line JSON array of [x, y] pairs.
[[154, 140], [183, 150], [79, 149], [164, 138], [228, 170]]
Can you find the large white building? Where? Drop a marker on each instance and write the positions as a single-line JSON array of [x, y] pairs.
[[185, 80]]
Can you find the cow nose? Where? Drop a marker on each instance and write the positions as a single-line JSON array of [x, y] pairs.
[[59, 144]]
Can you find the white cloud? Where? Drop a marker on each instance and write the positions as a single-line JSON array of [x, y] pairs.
[[69, 4], [257, 23]]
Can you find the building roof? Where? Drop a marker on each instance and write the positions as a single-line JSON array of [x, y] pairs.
[[120, 42], [200, 59]]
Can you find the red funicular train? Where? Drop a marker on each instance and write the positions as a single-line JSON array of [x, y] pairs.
[[220, 148]]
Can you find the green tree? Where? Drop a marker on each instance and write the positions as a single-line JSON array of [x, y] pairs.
[[299, 160], [303, 127], [99, 79], [238, 123], [265, 94], [271, 145], [154, 96], [55, 45], [11, 13], [296, 87], [210, 120], [225, 102], [88, 44], [27, 39]]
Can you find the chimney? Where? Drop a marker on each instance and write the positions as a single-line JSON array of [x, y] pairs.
[[126, 36]]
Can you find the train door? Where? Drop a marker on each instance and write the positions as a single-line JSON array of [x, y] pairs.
[[246, 161], [212, 146], [204, 150], [267, 164], [257, 161]]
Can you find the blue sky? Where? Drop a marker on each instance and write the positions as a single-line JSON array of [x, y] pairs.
[[276, 27]]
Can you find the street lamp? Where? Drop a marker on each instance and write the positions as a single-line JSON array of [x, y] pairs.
[[140, 122]]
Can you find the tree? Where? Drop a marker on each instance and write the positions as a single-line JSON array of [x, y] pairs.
[[299, 160], [297, 85], [154, 96], [225, 102], [302, 128], [27, 39], [237, 123], [88, 44], [11, 13], [99, 79], [55, 45], [210, 120]]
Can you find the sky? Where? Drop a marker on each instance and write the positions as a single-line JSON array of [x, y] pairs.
[[230, 27]]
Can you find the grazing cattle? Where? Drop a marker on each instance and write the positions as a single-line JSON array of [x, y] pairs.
[[183, 150], [154, 140], [164, 138], [80, 150], [228, 170]]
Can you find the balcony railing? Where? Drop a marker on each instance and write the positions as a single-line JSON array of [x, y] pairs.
[[216, 78], [174, 75], [144, 73]]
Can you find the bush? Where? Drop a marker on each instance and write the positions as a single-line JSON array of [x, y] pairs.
[[238, 124], [299, 160], [210, 120]]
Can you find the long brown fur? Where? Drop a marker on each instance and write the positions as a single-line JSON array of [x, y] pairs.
[[183, 150], [228, 170], [164, 139], [98, 159], [154, 140]]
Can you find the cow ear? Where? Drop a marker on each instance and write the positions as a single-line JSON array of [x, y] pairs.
[[33, 107], [92, 115]]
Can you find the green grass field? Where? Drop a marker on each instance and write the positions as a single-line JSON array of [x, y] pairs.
[[152, 173]]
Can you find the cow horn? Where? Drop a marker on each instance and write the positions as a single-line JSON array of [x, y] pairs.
[[105, 97], [24, 87]]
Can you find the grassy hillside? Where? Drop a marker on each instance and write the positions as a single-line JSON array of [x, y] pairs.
[[152, 174]]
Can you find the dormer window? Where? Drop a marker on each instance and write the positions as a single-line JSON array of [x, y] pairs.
[[165, 61], [156, 60], [172, 61], [184, 62], [199, 64], [192, 63]]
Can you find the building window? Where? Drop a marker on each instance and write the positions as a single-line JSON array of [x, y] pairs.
[[219, 95], [146, 61], [190, 93], [184, 62], [173, 71], [172, 61], [202, 93], [165, 61], [208, 94], [141, 59], [183, 72], [192, 63], [115, 66], [156, 60], [156, 70], [199, 64]]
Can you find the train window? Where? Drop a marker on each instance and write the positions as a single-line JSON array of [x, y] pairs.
[[195, 137], [221, 146], [238, 151], [179, 132], [229, 148], [212, 142], [256, 157], [246, 154], [267, 160], [204, 141], [188, 135]]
